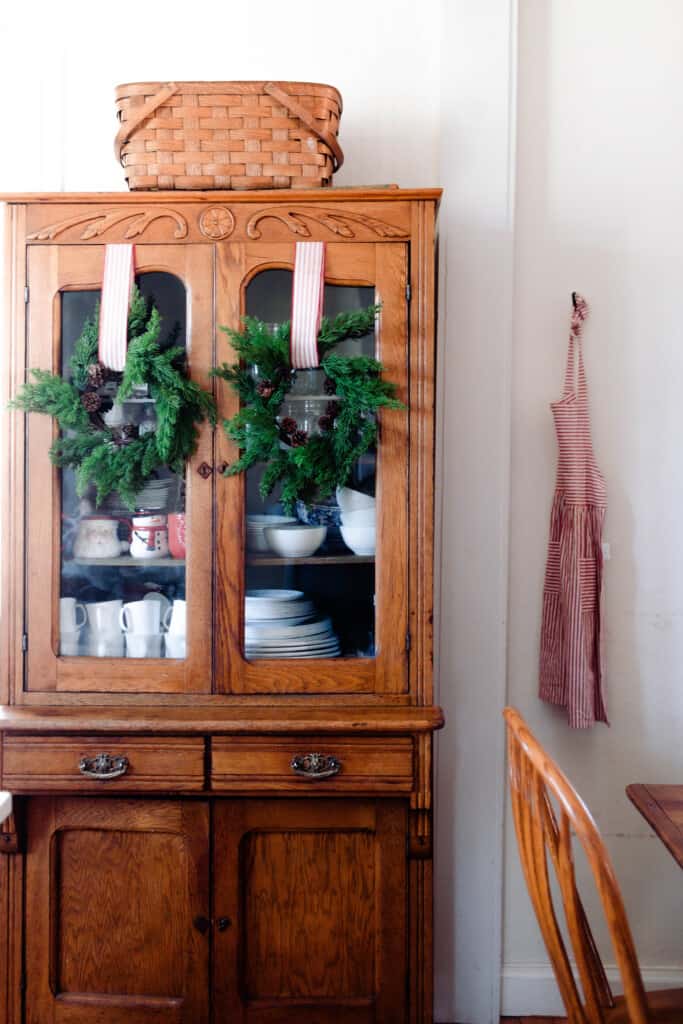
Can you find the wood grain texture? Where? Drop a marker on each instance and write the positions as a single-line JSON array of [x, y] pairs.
[[348, 263], [310, 890], [335, 878], [422, 425], [296, 718], [662, 808], [51, 764], [264, 763], [112, 890], [51, 270], [220, 222], [544, 838], [305, 891]]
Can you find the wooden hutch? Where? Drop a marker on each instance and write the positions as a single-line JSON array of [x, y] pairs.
[[206, 868]]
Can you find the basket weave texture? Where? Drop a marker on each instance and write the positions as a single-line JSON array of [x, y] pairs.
[[228, 135]]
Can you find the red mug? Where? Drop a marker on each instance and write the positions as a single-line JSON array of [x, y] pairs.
[[176, 534]]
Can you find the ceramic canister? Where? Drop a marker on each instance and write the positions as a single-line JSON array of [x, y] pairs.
[[176, 534], [150, 537]]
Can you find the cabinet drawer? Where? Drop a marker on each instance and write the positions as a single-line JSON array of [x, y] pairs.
[[53, 764], [342, 763]]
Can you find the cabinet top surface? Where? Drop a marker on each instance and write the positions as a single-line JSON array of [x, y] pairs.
[[222, 719], [384, 193]]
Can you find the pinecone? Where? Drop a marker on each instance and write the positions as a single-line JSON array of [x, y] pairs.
[[325, 423], [329, 386], [298, 439], [96, 375], [129, 430], [264, 388], [288, 425], [332, 410], [91, 401]]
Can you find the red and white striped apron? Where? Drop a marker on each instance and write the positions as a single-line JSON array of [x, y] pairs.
[[571, 673]]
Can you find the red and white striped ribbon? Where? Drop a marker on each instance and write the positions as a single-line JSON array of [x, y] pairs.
[[117, 288], [307, 303]]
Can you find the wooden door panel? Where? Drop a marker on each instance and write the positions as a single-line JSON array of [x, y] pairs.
[[315, 892], [53, 270], [113, 888], [385, 268]]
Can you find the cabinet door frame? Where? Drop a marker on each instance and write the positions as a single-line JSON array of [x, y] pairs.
[[50, 816], [385, 267], [386, 820], [53, 270]]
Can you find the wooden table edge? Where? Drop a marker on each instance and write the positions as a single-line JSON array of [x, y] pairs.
[[649, 807]]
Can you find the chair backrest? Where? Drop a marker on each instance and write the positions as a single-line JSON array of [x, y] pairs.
[[534, 778]]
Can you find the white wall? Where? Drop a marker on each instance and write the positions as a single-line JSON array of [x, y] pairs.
[[71, 56], [600, 210]]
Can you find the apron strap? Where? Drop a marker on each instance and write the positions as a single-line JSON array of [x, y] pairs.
[[575, 383]]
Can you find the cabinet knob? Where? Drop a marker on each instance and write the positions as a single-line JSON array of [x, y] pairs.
[[202, 924], [315, 766], [205, 470], [103, 767], [223, 923], [221, 468]]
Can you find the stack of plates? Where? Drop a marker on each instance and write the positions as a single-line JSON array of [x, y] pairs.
[[154, 495], [285, 624]]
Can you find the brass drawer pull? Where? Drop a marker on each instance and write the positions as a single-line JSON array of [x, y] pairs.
[[315, 766], [103, 767]]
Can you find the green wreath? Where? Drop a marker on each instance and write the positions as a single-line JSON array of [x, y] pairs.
[[114, 458], [306, 466]]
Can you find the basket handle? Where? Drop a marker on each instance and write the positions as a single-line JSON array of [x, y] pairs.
[[304, 115], [128, 127]]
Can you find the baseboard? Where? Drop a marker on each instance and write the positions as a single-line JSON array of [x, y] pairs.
[[530, 989]]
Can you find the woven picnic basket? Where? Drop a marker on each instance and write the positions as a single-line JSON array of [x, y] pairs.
[[228, 135]]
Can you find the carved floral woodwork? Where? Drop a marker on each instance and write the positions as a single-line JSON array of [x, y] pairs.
[[338, 223], [102, 221]]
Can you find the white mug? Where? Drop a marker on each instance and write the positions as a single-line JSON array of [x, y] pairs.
[[175, 618], [143, 645], [104, 645], [69, 644], [69, 608], [141, 617], [103, 617], [175, 645]]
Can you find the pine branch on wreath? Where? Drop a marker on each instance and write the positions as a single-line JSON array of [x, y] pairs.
[[305, 467], [108, 458]]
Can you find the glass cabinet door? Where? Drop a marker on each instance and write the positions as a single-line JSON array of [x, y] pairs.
[[321, 585], [129, 588]]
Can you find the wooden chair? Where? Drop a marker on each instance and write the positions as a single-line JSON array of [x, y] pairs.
[[534, 779]]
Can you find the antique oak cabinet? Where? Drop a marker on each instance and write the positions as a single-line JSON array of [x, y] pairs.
[[235, 824]]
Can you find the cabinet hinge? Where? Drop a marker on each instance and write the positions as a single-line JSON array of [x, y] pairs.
[[408, 293], [24, 642], [26, 293], [408, 641]]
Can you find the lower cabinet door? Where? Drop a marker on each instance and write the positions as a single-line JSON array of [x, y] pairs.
[[310, 912], [115, 890]]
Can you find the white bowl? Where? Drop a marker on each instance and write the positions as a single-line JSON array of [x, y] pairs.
[[350, 500], [295, 540], [361, 517], [256, 526], [361, 539]]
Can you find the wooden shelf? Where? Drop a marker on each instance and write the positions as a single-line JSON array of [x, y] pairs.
[[312, 560], [128, 560]]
